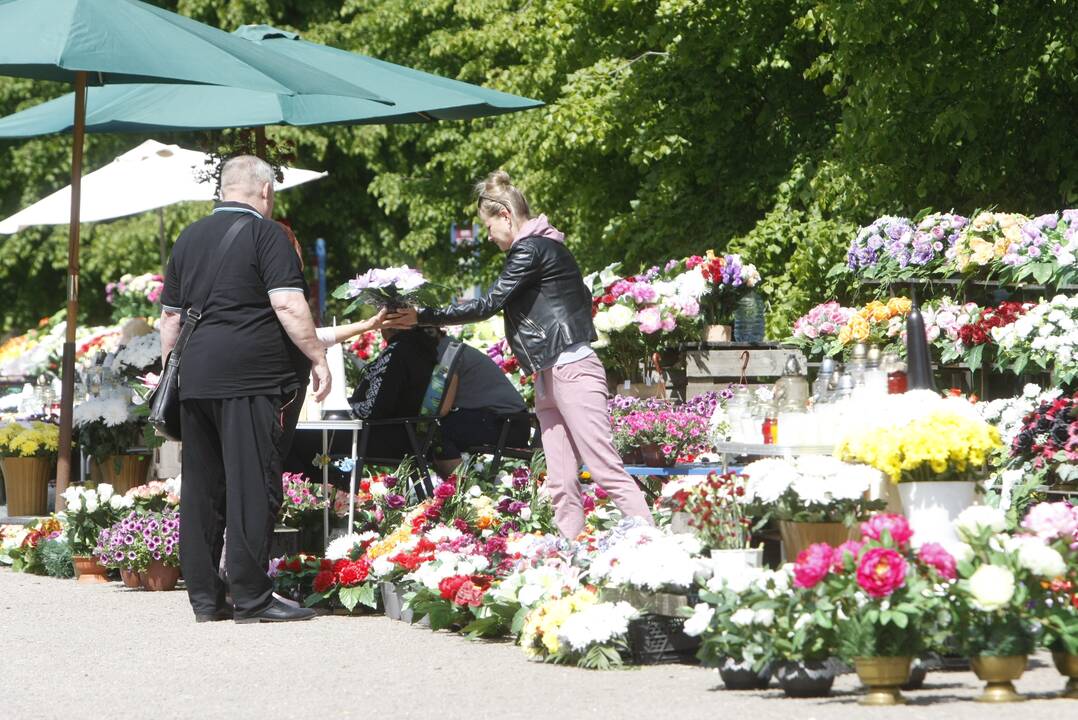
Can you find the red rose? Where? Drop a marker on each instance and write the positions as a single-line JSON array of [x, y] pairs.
[[324, 580], [449, 586]]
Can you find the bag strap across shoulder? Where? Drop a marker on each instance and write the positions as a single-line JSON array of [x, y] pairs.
[[194, 312]]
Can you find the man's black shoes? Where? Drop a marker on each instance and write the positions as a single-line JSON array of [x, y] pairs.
[[222, 614], [277, 612]]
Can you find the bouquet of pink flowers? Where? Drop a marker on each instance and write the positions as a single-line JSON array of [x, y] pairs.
[[135, 296], [392, 288], [816, 332]]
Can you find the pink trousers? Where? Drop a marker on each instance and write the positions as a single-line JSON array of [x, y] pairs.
[[571, 404]]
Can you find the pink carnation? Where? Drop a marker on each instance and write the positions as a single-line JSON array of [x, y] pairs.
[[936, 556], [881, 571], [813, 564], [897, 525]]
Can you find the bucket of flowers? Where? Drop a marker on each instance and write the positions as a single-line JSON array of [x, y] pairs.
[[889, 598], [994, 604], [814, 498], [27, 453], [721, 519], [578, 629], [1056, 600]]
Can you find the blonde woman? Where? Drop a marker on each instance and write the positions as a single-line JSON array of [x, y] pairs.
[[547, 311]]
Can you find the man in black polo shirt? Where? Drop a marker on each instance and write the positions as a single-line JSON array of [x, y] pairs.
[[249, 358]]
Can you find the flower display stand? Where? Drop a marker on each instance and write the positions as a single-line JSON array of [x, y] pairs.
[[27, 482]]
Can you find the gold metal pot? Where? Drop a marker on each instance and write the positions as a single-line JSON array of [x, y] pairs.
[[998, 674], [1067, 665], [883, 676]]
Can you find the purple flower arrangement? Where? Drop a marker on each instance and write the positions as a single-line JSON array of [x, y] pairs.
[[894, 247], [392, 287], [139, 539]]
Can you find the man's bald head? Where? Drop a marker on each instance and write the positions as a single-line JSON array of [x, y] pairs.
[[248, 179]]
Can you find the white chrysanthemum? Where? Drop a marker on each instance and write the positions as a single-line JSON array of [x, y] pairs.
[[140, 353], [649, 559], [769, 479], [975, 519], [991, 587], [702, 613], [596, 624], [339, 548], [381, 567]]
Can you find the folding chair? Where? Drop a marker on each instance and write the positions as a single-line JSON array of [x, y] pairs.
[[437, 402], [501, 450]]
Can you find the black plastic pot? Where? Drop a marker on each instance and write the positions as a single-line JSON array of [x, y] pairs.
[[812, 678], [740, 675]]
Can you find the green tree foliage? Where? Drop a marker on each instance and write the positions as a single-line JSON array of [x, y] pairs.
[[768, 127]]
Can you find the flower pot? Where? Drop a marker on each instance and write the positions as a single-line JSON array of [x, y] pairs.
[[26, 480], [740, 675], [718, 333], [160, 577], [123, 472], [931, 508], [130, 579], [1067, 665], [652, 455], [88, 571], [883, 676], [631, 456], [392, 601], [918, 673], [804, 679], [998, 673], [796, 536]]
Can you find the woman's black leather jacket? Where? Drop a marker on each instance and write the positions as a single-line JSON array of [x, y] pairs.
[[547, 306]]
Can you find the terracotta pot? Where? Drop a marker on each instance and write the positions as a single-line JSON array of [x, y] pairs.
[[651, 455], [130, 579], [1067, 665], [718, 333], [88, 571], [796, 536], [883, 676], [123, 472], [998, 673], [27, 482], [159, 577]]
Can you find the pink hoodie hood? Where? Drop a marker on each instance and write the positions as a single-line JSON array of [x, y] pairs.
[[542, 227]]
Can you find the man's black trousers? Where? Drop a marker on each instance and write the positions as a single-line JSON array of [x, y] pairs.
[[231, 478]]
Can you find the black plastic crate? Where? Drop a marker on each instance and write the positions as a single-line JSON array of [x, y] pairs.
[[655, 639]]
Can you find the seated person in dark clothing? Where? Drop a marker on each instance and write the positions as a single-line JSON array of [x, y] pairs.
[[392, 386], [483, 394]]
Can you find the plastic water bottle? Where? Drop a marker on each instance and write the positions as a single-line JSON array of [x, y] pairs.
[[749, 318]]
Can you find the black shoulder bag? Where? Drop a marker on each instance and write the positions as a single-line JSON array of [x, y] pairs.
[[165, 399]]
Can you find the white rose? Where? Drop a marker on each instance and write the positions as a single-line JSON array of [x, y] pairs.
[[701, 618], [620, 317], [992, 587], [1041, 560], [104, 492], [90, 500], [475, 491], [601, 321]]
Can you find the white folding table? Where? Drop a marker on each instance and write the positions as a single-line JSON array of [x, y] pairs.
[[353, 426]]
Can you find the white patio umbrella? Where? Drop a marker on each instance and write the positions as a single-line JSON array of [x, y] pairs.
[[151, 176]]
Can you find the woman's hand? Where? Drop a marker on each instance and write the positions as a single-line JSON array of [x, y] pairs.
[[376, 322], [403, 319]]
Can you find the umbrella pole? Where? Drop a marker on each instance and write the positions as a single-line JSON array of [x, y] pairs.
[[161, 238], [260, 141], [67, 392]]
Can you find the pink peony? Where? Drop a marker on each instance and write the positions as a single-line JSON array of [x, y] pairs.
[[936, 556], [1052, 520], [650, 320], [850, 548], [813, 564], [896, 525], [881, 571]]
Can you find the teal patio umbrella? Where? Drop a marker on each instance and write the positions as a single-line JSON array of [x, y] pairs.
[[146, 108], [100, 42]]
